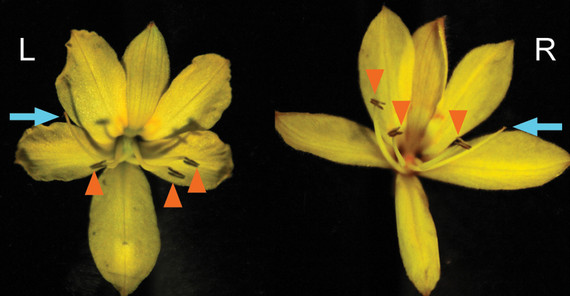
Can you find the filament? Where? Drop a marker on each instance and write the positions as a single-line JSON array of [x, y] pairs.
[[145, 164], [81, 141], [401, 160], [99, 165]]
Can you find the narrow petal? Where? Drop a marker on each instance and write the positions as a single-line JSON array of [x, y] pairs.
[[195, 99], [53, 153], [148, 70], [91, 87], [330, 137], [386, 45], [416, 234], [430, 76], [478, 85], [213, 157], [509, 160], [123, 234]]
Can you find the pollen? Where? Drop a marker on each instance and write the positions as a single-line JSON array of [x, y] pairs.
[[394, 132], [377, 103], [175, 173], [461, 143], [191, 162]]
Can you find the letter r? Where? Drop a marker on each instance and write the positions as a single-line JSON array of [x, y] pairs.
[[547, 49]]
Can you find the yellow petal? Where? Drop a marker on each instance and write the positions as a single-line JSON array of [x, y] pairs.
[[430, 76], [509, 160], [52, 153], [123, 234], [148, 70], [196, 98], [478, 85], [330, 137], [213, 156], [416, 234], [91, 87], [386, 45]]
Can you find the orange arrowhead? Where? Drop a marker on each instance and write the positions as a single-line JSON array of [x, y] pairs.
[[94, 188], [374, 76], [172, 200], [196, 186], [457, 116], [401, 108]]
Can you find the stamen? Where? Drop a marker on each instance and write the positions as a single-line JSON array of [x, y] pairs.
[[184, 159], [161, 147], [383, 148], [191, 162], [175, 173], [394, 132], [445, 158], [140, 159], [80, 140], [99, 165], [171, 171], [459, 142], [377, 103]]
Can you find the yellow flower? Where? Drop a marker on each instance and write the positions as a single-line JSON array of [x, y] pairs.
[[127, 116], [427, 144]]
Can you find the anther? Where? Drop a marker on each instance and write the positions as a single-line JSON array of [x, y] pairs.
[[377, 103], [191, 162], [459, 142], [98, 165], [175, 173], [395, 132]]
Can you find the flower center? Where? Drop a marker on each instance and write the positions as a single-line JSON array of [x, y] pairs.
[[405, 153], [127, 147], [409, 159]]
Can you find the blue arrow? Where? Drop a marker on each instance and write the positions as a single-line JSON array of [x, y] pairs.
[[532, 126], [39, 116]]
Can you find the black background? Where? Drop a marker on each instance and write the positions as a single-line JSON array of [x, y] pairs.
[[289, 223]]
